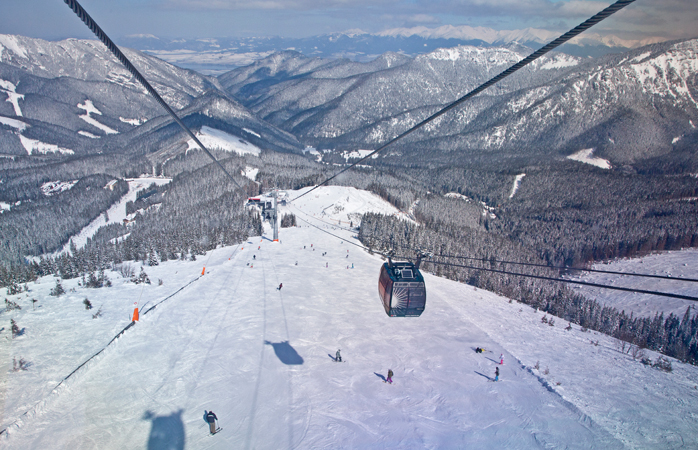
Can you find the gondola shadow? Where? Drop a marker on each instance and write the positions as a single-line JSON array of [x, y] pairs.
[[286, 354], [166, 432], [380, 376]]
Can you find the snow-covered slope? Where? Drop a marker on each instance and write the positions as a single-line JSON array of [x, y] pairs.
[[678, 264], [262, 359]]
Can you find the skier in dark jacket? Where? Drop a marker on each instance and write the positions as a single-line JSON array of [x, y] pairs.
[[338, 357], [211, 419], [280, 286], [390, 376], [496, 374]]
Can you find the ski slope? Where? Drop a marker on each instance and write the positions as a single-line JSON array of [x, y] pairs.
[[262, 360]]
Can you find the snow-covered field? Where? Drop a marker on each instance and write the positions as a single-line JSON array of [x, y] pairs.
[[262, 359], [217, 139], [678, 264], [586, 156]]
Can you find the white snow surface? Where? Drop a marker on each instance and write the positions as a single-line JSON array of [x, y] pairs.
[[253, 133], [586, 156], [12, 96], [250, 172], [678, 263], [339, 205], [261, 359], [218, 139], [4, 207], [357, 154], [88, 134], [56, 187], [90, 109], [117, 211], [33, 145], [14, 123], [517, 183], [10, 42], [134, 122]]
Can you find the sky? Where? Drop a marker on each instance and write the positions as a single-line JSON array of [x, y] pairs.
[[53, 20]]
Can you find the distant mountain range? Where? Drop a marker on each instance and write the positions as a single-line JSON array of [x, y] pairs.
[[215, 56], [632, 107], [71, 98]]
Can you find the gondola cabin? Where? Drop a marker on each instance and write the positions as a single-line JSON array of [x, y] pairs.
[[401, 288]]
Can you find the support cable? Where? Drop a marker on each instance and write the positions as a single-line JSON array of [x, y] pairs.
[[564, 280], [620, 4], [544, 266]]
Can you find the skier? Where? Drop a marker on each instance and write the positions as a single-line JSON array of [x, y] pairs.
[[280, 286], [254, 256], [211, 419], [338, 357], [496, 374], [501, 358], [390, 376], [479, 350]]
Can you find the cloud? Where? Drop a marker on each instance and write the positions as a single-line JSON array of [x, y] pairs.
[[298, 5]]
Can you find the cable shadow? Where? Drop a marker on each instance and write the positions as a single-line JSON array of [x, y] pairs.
[[166, 432], [483, 375], [286, 354]]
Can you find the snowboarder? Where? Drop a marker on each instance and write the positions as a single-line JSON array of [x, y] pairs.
[[496, 374], [338, 357], [211, 419], [390, 376], [280, 286], [501, 358]]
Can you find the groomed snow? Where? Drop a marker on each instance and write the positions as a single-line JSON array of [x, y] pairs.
[[217, 139], [586, 156], [33, 145], [12, 96], [116, 213], [679, 264], [90, 109], [88, 134], [517, 183], [134, 122], [261, 359], [14, 123]]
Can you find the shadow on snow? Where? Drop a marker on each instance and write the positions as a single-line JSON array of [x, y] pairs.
[[166, 432], [286, 354]]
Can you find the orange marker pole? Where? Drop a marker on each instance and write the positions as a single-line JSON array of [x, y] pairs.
[[135, 314], [203, 271]]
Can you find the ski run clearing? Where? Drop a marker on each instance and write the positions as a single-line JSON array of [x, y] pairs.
[[262, 359]]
